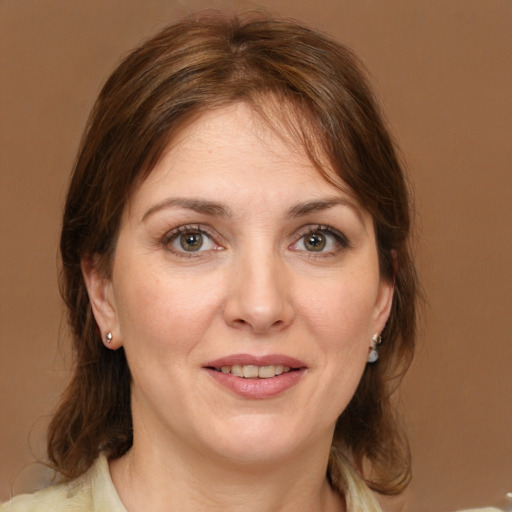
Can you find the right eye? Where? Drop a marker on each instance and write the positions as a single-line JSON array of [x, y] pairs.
[[187, 239]]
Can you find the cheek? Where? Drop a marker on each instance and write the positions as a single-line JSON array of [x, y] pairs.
[[339, 321], [342, 313], [164, 311]]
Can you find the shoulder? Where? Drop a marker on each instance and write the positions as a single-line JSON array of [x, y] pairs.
[[357, 494], [91, 492], [73, 496], [485, 509], [359, 497]]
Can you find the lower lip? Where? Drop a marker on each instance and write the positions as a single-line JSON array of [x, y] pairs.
[[258, 388]]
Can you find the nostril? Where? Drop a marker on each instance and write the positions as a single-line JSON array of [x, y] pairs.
[[250, 308]]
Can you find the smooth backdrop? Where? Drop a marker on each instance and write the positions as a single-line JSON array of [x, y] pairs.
[[443, 73]]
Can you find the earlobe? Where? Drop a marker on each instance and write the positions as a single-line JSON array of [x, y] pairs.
[[383, 306], [101, 297]]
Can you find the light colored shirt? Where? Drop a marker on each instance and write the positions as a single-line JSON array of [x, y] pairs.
[[91, 492], [94, 492]]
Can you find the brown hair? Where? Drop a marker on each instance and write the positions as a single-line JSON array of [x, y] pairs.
[[200, 63]]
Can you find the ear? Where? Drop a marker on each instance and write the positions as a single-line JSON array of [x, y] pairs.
[[383, 305], [102, 299]]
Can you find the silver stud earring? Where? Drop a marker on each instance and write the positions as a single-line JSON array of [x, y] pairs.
[[373, 356], [108, 337]]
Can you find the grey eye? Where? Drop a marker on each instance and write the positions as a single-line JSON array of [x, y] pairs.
[[320, 241], [315, 242], [191, 241]]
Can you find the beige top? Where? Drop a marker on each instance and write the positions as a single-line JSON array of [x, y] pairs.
[[95, 492], [91, 492]]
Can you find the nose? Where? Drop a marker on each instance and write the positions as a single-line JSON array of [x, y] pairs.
[[259, 295]]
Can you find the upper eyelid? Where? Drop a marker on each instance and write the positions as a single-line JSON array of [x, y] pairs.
[[316, 227], [198, 228], [323, 228]]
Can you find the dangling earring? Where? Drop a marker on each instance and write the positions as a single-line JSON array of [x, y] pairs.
[[373, 356], [108, 337]]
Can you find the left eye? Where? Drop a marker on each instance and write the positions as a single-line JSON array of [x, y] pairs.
[[317, 241], [191, 241]]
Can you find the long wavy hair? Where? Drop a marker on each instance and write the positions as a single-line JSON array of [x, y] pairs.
[[304, 84]]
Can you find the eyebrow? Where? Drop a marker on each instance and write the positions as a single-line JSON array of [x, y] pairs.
[[307, 207], [197, 205], [220, 210]]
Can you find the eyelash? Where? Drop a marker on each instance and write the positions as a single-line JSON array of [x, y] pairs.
[[327, 231], [173, 235]]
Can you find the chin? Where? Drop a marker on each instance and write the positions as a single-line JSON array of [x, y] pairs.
[[261, 440]]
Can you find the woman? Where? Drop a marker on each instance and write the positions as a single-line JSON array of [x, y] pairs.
[[238, 279]]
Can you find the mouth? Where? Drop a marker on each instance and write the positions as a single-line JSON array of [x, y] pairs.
[[246, 366], [251, 371], [257, 377]]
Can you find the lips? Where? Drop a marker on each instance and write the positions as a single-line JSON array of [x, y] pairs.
[[256, 377], [251, 371], [247, 359]]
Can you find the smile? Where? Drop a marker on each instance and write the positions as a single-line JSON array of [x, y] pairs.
[[257, 376], [250, 371]]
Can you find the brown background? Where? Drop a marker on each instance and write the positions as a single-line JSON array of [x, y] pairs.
[[443, 72]]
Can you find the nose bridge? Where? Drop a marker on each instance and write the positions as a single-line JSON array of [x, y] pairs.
[[258, 296]]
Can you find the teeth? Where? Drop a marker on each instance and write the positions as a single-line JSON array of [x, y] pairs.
[[236, 369], [266, 372], [249, 371]]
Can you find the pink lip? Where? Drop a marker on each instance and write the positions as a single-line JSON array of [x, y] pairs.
[[257, 389], [271, 359]]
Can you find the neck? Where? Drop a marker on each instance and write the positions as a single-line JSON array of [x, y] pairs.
[[151, 477]]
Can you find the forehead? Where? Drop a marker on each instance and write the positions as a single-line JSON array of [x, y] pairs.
[[238, 135], [235, 136], [236, 155]]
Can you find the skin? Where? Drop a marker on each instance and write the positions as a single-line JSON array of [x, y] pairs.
[[255, 287]]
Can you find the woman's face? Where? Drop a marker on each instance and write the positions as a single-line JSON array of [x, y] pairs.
[[245, 291]]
